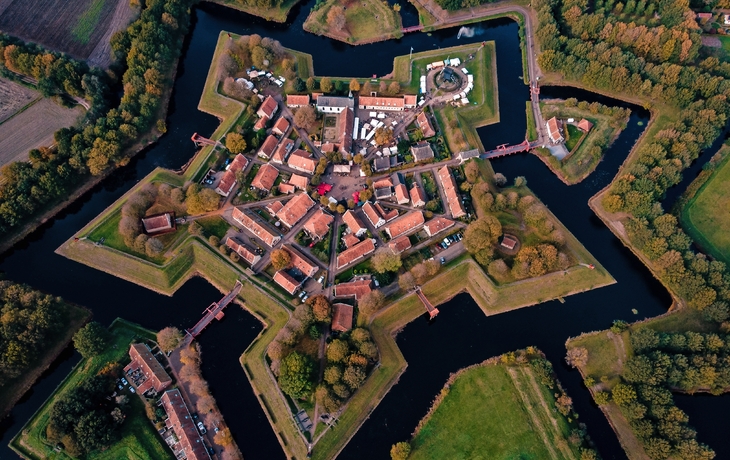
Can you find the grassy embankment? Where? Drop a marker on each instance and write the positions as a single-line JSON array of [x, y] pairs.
[[607, 352], [367, 21], [458, 123], [276, 14], [580, 163], [705, 217], [528, 426], [11, 392], [139, 439]]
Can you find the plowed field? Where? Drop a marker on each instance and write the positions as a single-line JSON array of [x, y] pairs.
[[14, 97]]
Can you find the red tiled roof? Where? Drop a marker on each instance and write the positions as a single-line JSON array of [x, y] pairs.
[[418, 196], [400, 244], [298, 181], [242, 250], [301, 161], [265, 177], [509, 242], [341, 317], [261, 123], [269, 238], [182, 423], [228, 181], [158, 223], [424, 124], [315, 96], [282, 150], [404, 224], [345, 126], [155, 376], [286, 189], [269, 107], [382, 183], [585, 125], [297, 100], [356, 289], [281, 125], [295, 209], [286, 281], [387, 215], [355, 253], [452, 195], [410, 100], [319, 224], [350, 240], [381, 102], [401, 194], [300, 261], [273, 207], [239, 163], [554, 130], [372, 215], [267, 148], [354, 223], [437, 225]]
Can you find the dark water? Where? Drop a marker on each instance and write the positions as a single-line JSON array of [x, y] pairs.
[[462, 335]]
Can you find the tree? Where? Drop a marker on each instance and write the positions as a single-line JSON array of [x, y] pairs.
[[384, 260], [354, 85], [153, 247], [400, 451], [169, 338], [407, 281], [337, 351], [471, 171], [577, 357], [280, 259], [235, 143], [394, 88], [332, 374], [481, 235], [296, 374], [91, 339], [305, 118], [371, 302], [336, 17], [520, 181], [223, 437], [383, 135], [201, 200], [325, 84], [499, 179], [311, 84], [321, 308], [354, 376]]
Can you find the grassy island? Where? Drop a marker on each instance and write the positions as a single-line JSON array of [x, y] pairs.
[[357, 23], [268, 11]]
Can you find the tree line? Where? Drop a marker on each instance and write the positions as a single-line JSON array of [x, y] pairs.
[[147, 49]]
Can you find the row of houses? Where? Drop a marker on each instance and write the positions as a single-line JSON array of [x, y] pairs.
[[453, 199], [229, 179], [299, 270]]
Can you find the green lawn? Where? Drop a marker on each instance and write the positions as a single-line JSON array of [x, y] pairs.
[[483, 416], [366, 21], [139, 438], [87, 22], [214, 225], [531, 126], [573, 137], [706, 218]]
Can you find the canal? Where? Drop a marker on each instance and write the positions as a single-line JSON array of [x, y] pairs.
[[460, 336]]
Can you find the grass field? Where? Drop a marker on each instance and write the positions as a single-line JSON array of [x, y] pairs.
[[494, 411], [366, 21], [705, 217], [33, 128], [139, 439], [74, 27], [276, 14], [14, 98], [531, 126]]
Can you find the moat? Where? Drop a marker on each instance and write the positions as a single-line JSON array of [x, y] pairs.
[[462, 335]]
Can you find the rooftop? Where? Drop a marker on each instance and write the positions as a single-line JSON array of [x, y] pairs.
[[268, 107], [267, 148], [437, 225], [295, 100], [404, 224], [355, 253], [319, 224], [265, 177], [342, 317], [286, 281], [159, 223], [400, 244], [302, 161], [356, 289], [294, 210], [424, 124]]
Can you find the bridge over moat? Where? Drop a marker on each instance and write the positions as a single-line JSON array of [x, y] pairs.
[[215, 310]]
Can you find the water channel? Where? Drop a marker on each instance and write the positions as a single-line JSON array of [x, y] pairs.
[[461, 335]]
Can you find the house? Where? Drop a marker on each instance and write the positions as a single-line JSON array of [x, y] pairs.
[[273, 207], [418, 196], [354, 289], [424, 124], [145, 372], [297, 100], [438, 225], [410, 101], [509, 242], [387, 215], [422, 151], [266, 150], [585, 125], [384, 182], [261, 123], [704, 17], [405, 224], [286, 189], [467, 154], [401, 194], [341, 317], [280, 127], [282, 151], [350, 240], [318, 225], [300, 182], [400, 244], [554, 130], [382, 164], [295, 209], [316, 96], [383, 193], [287, 282], [243, 250], [229, 181], [189, 443], [373, 215], [343, 170], [345, 125], [158, 224], [332, 104], [448, 184], [263, 233], [300, 262], [355, 253], [268, 108], [381, 103], [302, 161], [354, 223], [265, 177]]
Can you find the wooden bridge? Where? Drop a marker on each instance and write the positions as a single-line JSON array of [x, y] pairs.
[[504, 150], [200, 140], [433, 311], [417, 28], [215, 310]]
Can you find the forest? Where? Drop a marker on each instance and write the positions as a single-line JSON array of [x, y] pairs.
[[148, 50]]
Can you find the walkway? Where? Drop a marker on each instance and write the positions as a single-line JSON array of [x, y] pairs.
[[433, 311], [215, 310]]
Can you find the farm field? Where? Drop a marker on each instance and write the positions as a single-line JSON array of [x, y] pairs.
[[33, 128], [13, 97], [81, 28]]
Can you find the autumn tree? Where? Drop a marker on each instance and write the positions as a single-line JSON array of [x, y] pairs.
[[311, 84], [336, 17], [371, 302], [305, 118], [354, 85], [280, 259], [400, 451], [383, 135], [325, 84], [169, 338], [337, 351], [407, 281], [394, 88], [384, 260], [235, 143], [577, 357], [481, 236], [321, 308], [499, 179], [201, 200]]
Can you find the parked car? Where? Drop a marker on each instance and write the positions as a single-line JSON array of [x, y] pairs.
[[124, 381], [202, 428], [302, 294], [321, 279], [443, 260], [304, 299], [120, 386], [132, 389]]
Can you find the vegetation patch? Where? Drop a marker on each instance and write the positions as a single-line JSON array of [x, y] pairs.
[[87, 22], [355, 21]]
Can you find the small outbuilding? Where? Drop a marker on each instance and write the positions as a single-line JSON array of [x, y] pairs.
[[585, 125]]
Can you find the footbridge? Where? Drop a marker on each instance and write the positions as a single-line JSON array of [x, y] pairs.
[[432, 311], [504, 150], [417, 28], [215, 310], [199, 140]]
